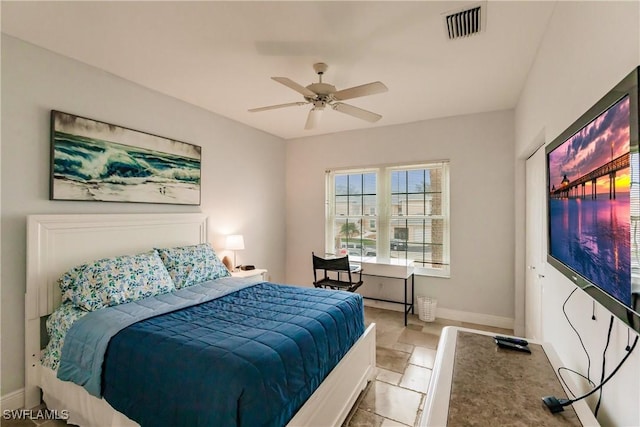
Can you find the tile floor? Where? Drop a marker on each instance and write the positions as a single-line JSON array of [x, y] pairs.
[[404, 356]]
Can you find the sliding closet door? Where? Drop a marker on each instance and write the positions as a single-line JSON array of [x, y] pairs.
[[535, 243]]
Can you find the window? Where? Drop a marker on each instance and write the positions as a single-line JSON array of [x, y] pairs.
[[391, 212]]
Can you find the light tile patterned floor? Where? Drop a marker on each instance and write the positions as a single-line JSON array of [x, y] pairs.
[[405, 357]]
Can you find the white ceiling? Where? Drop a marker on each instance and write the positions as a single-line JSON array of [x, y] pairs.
[[220, 55]]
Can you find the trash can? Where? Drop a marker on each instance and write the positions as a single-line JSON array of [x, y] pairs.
[[427, 308]]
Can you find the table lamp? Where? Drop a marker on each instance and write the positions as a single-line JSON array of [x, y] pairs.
[[235, 242]]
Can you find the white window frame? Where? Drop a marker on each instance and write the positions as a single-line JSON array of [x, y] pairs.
[[384, 215]]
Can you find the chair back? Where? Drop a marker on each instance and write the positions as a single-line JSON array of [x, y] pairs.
[[334, 264], [330, 264], [337, 266]]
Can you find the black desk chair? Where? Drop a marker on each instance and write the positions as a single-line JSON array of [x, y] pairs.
[[339, 267]]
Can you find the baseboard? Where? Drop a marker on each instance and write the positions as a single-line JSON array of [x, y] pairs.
[[478, 318], [383, 305], [457, 315], [13, 400]]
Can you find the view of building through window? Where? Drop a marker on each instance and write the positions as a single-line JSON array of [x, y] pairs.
[[393, 212]]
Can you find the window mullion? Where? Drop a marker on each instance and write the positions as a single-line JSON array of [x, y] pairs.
[[329, 215], [384, 213]]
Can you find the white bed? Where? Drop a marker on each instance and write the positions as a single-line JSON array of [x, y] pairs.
[[56, 243]]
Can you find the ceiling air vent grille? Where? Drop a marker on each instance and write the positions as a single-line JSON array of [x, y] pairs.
[[465, 23]]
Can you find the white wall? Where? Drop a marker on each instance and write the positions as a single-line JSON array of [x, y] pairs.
[[480, 148], [242, 169], [588, 48]]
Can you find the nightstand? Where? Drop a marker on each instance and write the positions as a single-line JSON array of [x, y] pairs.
[[252, 273]]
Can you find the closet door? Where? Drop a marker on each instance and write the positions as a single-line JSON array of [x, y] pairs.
[[535, 243]]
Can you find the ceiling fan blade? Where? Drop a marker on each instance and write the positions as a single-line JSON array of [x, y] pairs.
[[295, 86], [356, 112], [357, 91], [273, 107], [313, 118]]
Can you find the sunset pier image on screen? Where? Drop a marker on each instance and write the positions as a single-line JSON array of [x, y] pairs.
[[589, 205]]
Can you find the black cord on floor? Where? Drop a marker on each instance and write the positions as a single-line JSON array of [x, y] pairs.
[[604, 359]]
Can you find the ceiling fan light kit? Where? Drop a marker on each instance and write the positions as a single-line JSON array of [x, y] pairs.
[[314, 117], [321, 94]]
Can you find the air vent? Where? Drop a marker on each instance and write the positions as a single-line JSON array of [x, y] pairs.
[[466, 22]]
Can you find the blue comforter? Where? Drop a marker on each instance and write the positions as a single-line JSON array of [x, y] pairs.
[[250, 358], [85, 344]]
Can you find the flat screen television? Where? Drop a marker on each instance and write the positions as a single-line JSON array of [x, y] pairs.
[[593, 202]]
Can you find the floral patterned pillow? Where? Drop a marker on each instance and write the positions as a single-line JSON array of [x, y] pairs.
[[58, 324], [189, 265], [113, 281]]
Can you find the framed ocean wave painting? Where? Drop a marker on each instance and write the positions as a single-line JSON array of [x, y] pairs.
[[92, 160]]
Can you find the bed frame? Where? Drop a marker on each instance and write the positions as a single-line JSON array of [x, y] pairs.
[[56, 243]]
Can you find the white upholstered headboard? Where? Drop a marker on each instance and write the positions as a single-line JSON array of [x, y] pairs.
[[56, 243]]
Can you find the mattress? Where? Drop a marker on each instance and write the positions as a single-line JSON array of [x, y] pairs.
[[83, 409]]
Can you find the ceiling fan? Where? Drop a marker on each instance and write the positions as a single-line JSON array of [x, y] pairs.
[[322, 94]]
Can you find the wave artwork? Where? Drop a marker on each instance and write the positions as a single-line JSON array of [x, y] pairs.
[[102, 162]]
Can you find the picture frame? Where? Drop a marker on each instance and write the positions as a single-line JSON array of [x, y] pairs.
[[97, 161]]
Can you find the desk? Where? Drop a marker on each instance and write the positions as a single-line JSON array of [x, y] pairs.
[[394, 269], [474, 380]]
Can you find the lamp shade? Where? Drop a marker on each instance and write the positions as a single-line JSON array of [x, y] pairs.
[[235, 242]]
